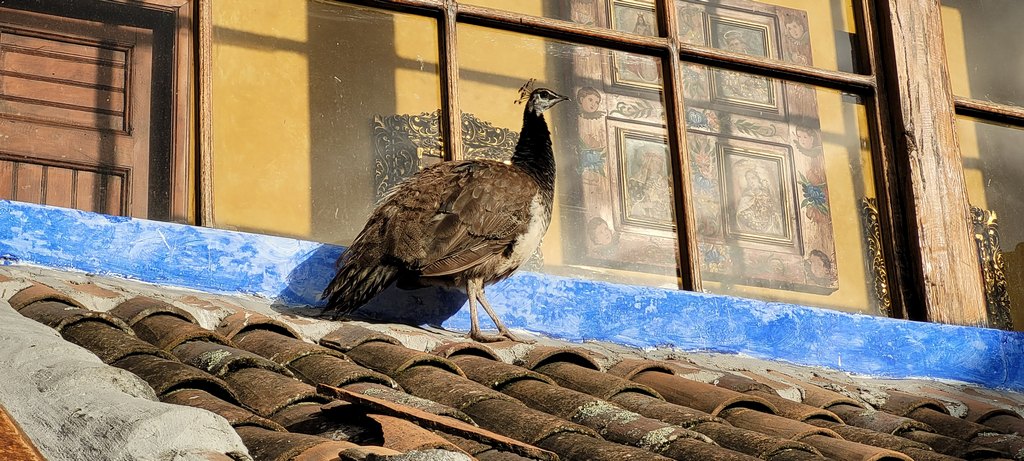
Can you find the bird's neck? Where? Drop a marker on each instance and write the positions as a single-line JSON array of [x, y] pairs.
[[533, 151]]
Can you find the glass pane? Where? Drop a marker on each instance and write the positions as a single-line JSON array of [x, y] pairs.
[[781, 174], [613, 214], [982, 58], [306, 98], [635, 16], [815, 33], [994, 171]]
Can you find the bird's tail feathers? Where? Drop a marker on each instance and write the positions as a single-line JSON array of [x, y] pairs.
[[355, 284]]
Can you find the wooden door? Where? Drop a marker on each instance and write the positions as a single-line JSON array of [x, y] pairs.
[[90, 115]]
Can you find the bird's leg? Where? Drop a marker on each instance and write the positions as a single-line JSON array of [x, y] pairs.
[[502, 329], [474, 289]]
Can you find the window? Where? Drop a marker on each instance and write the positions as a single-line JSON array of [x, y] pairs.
[[772, 149], [990, 117]]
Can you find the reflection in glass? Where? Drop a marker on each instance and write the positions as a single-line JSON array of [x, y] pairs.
[[809, 32], [994, 171], [635, 16], [977, 35], [780, 174], [614, 209], [307, 97]]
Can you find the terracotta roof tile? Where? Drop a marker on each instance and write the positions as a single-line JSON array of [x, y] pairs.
[[38, 292], [546, 354], [447, 350], [593, 382], [878, 421], [219, 359], [348, 336], [165, 376], [59, 315], [267, 392], [328, 369], [704, 397], [558, 398], [236, 415], [167, 331], [245, 321], [767, 423], [280, 348], [140, 307], [110, 344], [952, 447], [391, 359]]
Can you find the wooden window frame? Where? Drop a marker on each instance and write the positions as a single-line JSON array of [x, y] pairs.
[[923, 210]]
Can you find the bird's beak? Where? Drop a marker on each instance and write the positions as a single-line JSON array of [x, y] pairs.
[[563, 98]]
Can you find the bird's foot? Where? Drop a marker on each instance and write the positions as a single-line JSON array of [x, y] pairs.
[[503, 335]]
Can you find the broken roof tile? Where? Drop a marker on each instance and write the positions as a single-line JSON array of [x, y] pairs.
[[267, 392], [845, 450], [267, 445], [403, 436], [399, 397], [432, 421]]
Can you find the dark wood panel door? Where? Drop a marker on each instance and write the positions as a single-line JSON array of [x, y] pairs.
[[92, 111]]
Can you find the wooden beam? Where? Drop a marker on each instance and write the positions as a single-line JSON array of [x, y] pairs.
[[921, 103]]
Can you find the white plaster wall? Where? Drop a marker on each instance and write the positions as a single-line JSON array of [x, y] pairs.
[[75, 407]]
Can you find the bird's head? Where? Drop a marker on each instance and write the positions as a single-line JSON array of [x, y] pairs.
[[540, 99]]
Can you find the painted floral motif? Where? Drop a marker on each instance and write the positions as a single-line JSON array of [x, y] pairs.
[[815, 199]]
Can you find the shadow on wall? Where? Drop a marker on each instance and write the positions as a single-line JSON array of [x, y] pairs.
[[424, 306]]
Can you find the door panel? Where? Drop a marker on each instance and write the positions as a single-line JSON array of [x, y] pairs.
[[93, 100]]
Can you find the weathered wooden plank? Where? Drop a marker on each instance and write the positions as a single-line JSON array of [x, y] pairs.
[[936, 196]]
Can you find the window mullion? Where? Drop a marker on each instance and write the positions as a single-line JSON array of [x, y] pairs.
[[921, 102], [689, 255], [451, 112]]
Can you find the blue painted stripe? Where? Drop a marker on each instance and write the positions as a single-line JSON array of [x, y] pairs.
[[292, 271]]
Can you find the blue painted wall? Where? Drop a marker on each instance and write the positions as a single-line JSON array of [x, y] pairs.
[[291, 272]]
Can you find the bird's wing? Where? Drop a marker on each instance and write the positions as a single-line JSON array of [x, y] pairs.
[[460, 216]]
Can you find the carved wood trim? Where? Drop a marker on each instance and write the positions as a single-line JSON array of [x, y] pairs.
[[990, 257]]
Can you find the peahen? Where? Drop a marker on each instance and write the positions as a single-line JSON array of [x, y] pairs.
[[462, 224]]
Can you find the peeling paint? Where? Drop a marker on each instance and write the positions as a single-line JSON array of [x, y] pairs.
[[292, 273]]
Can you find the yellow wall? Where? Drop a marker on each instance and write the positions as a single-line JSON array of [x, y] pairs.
[[261, 170]]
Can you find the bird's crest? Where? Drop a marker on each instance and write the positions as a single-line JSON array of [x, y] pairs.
[[525, 90]]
